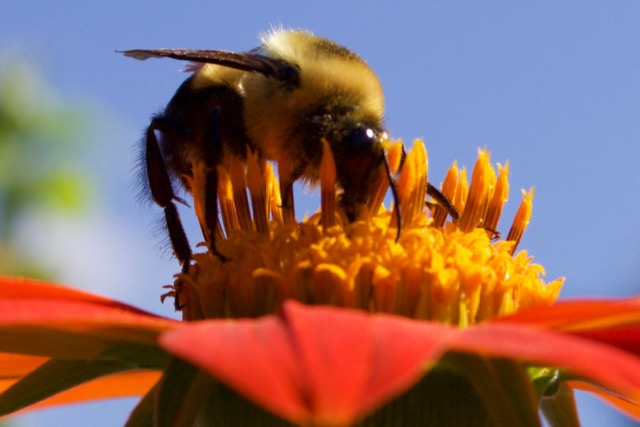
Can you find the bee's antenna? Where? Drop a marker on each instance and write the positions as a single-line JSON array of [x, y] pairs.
[[394, 193]]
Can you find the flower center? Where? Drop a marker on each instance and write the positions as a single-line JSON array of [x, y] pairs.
[[458, 272]]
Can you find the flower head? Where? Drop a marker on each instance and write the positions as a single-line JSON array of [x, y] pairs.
[[458, 272]]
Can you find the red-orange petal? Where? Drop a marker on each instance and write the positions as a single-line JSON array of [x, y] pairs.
[[24, 288], [124, 384], [15, 366], [605, 365], [615, 322], [61, 328], [320, 365], [581, 315], [41, 319]]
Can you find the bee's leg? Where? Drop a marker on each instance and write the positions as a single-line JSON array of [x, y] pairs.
[[288, 208], [393, 185], [163, 194], [213, 156], [442, 200], [287, 174]]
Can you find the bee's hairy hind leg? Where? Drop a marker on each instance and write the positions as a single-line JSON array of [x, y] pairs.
[[288, 210], [212, 156], [164, 196]]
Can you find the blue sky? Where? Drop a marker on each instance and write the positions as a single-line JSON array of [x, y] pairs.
[[553, 87]]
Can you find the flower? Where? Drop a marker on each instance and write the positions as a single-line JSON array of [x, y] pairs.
[[332, 323]]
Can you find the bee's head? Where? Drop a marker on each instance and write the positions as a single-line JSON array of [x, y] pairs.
[[359, 156]]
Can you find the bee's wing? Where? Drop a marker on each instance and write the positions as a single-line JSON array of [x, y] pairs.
[[246, 61]]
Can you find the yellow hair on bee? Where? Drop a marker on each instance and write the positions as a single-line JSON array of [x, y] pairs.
[[330, 75]]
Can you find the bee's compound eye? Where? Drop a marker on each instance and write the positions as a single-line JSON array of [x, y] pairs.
[[360, 138], [290, 76]]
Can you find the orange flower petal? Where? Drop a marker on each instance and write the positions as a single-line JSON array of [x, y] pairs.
[[15, 366], [580, 315], [124, 384], [319, 365], [615, 322], [23, 288], [40, 319], [611, 368], [71, 328]]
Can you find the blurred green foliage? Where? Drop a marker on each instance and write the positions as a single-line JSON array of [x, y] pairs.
[[39, 164]]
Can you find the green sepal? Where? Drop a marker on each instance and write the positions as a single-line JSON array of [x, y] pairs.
[[174, 405], [187, 397], [560, 408], [442, 398], [545, 380], [557, 402], [225, 407], [139, 356], [503, 385], [142, 414]]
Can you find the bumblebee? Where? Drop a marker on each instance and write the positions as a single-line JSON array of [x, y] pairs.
[[281, 100]]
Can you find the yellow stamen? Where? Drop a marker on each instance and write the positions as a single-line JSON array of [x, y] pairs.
[[482, 182], [462, 191], [499, 198], [449, 186], [228, 208], [412, 184], [274, 198], [521, 220]]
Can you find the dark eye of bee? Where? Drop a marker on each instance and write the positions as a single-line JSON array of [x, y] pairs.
[[290, 76], [360, 138]]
